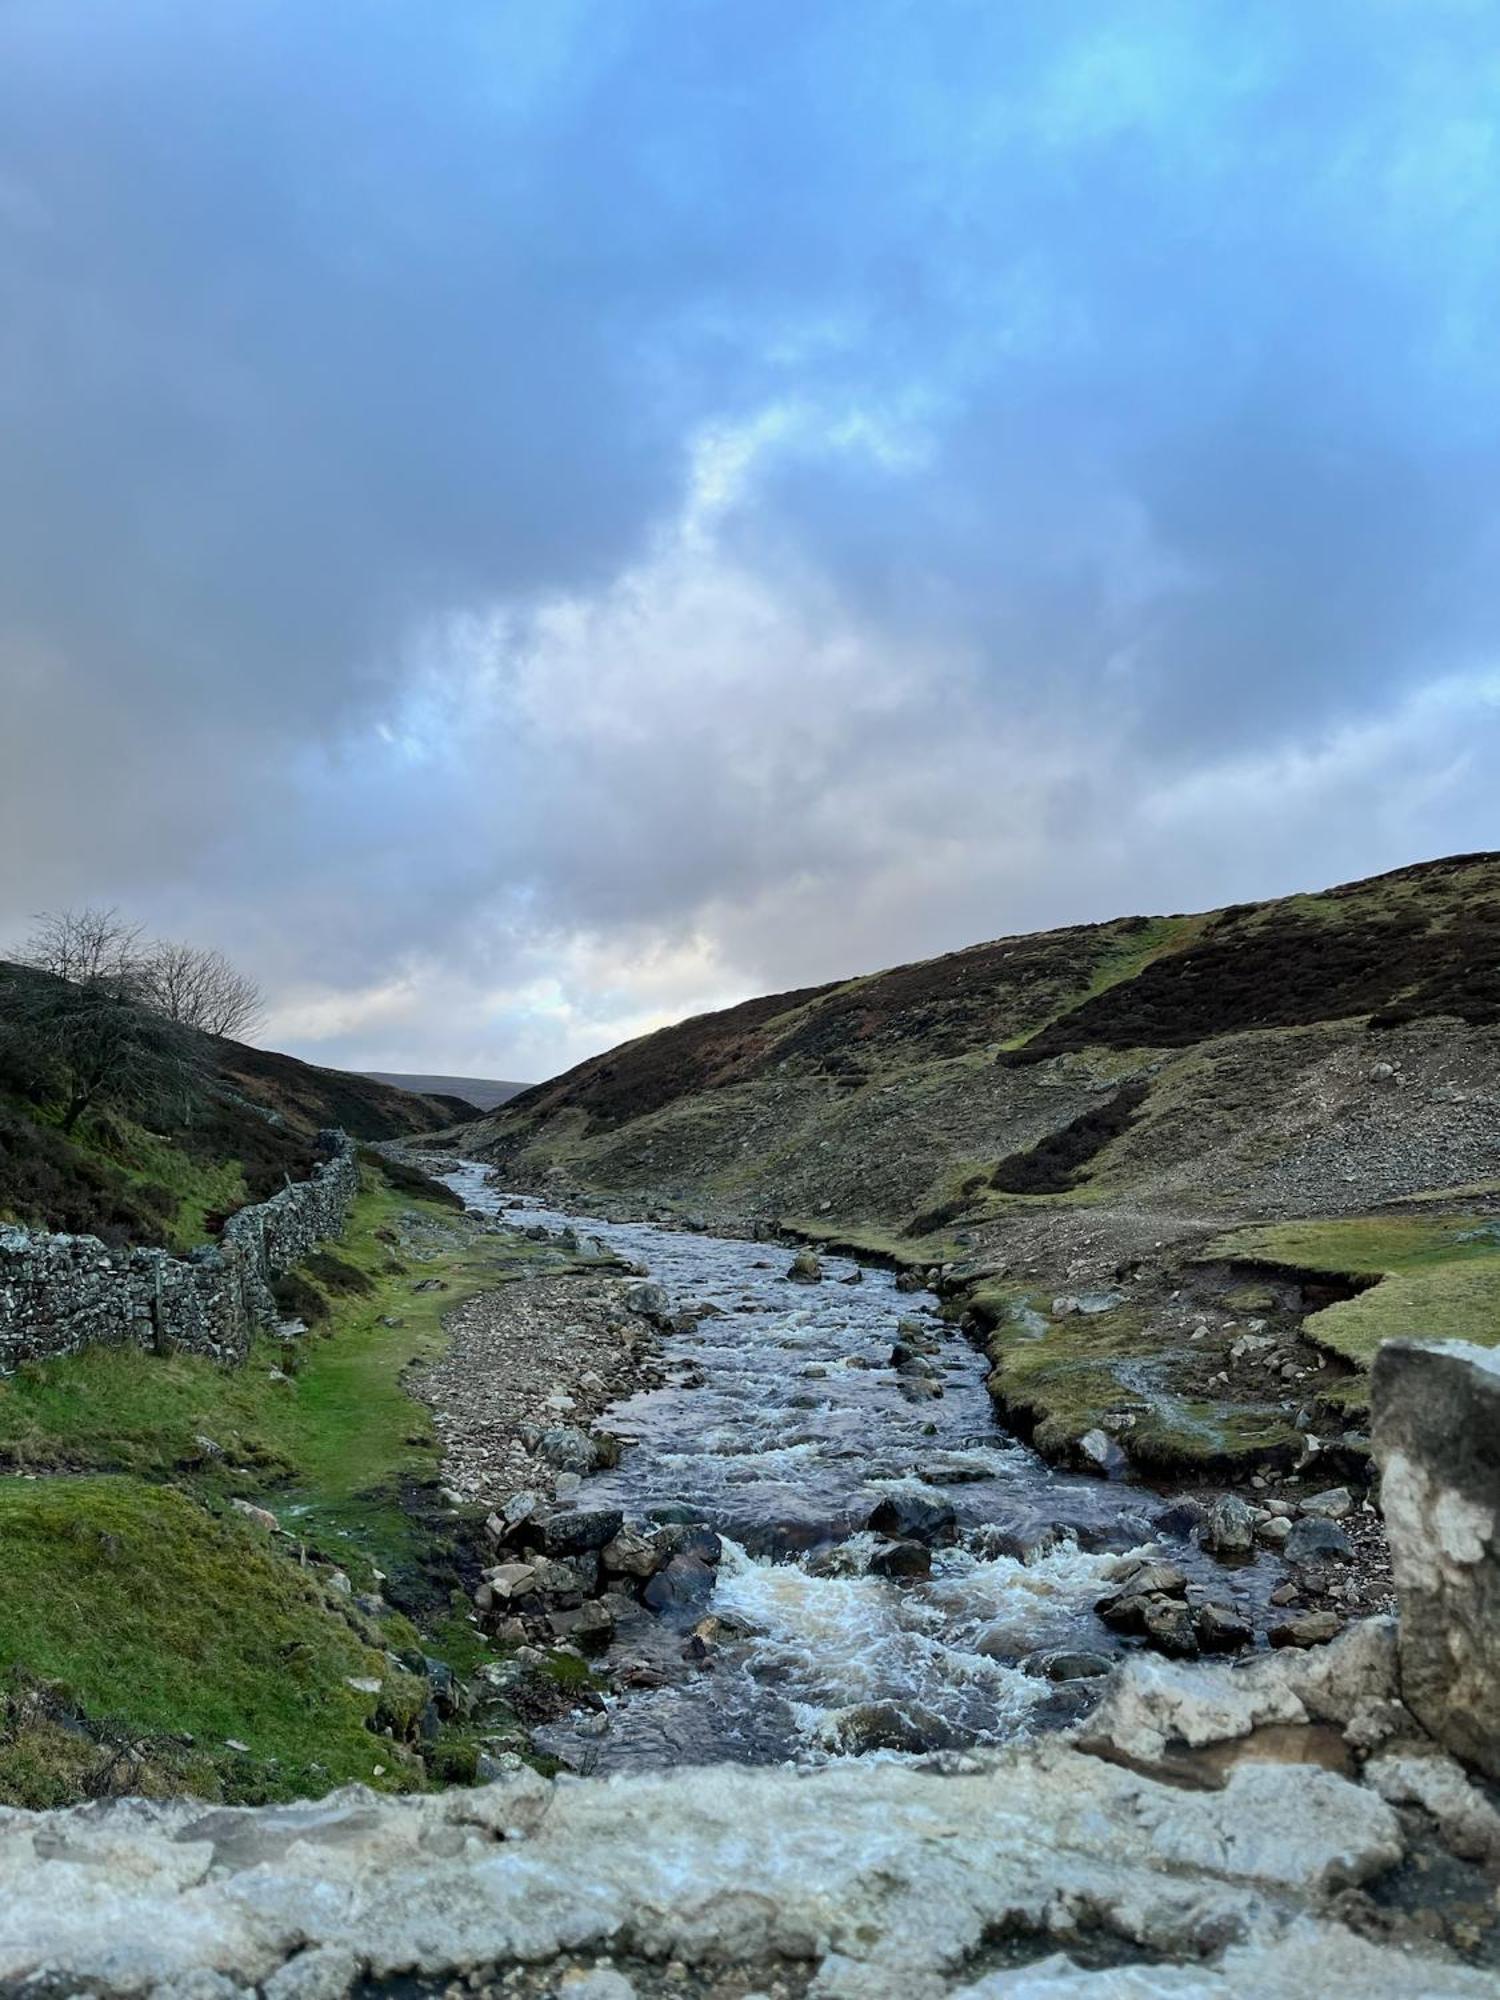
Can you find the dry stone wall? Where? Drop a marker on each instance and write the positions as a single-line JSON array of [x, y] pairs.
[[59, 1294]]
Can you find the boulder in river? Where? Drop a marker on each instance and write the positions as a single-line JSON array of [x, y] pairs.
[[902, 1559], [1436, 1422], [1229, 1529], [806, 1269], [685, 1581], [919, 1517]]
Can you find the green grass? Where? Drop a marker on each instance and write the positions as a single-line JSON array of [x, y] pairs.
[[1429, 1277], [1129, 954], [1077, 1372], [338, 1450], [160, 1622], [881, 1246], [200, 1187]]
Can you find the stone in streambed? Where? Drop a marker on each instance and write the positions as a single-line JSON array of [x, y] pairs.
[[1221, 1629], [577, 1528], [902, 1559], [805, 1269], [919, 1517], [1307, 1628], [1229, 1529], [633, 1554], [685, 1581], [1313, 1539]]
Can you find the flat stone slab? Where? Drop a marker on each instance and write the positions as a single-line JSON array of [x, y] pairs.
[[888, 1878]]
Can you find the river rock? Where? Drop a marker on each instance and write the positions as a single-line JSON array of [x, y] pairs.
[[920, 1517], [1306, 1628], [805, 1269], [647, 1300], [1332, 1505], [1167, 1624], [564, 1583], [1229, 1529], [577, 1528], [1098, 1452], [1069, 1665], [567, 1448], [1436, 1424], [590, 1625], [684, 1581], [1222, 1629], [689, 1538], [633, 1554], [1313, 1539], [902, 1559], [508, 1581]]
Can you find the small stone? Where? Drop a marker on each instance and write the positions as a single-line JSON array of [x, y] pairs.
[[1221, 1629], [1229, 1528], [1313, 1539], [1330, 1506], [1308, 1628]]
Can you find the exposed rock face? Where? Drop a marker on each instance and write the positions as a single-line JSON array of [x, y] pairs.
[[1436, 1418], [887, 1877]]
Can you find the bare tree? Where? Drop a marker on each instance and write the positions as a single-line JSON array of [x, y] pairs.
[[97, 1042], [80, 945], [200, 989]]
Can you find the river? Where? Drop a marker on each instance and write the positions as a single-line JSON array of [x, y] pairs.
[[783, 1423]]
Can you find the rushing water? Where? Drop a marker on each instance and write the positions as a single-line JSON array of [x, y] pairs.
[[783, 1423]]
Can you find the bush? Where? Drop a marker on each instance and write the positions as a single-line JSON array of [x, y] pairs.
[[1053, 1165]]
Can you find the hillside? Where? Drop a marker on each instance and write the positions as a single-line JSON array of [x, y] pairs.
[[1091, 1107], [237, 1125], [472, 1093]]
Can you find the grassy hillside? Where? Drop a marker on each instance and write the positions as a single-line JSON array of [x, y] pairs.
[[167, 1173], [1091, 1107]]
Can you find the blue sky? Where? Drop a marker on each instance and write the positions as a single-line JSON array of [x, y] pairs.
[[521, 521]]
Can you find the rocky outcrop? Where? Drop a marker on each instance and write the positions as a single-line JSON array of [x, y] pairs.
[[59, 1294], [885, 1878], [1436, 1416]]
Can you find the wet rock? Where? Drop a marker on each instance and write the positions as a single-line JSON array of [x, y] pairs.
[[1167, 1624], [1273, 1532], [684, 1581], [1307, 1628], [1468, 1822], [1229, 1529], [902, 1559], [1179, 1520], [909, 1281], [1098, 1452], [1144, 1575], [885, 1725], [692, 1538], [648, 1300], [1315, 1540], [1222, 1629], [632, 1554], [1063, 1665], [1436, 1424], [671, 1513], [805, 1269], [576, 1529], [915, 1367], [920, 1517]]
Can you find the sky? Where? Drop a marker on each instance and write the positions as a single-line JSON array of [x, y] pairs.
[[520, 522]]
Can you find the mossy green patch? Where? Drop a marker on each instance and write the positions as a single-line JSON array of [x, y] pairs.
[[161, 1622], [1056, 1379], [321, 1430], [1423, 1276]]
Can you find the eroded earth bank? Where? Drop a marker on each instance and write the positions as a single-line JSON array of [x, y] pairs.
[[847, 1690]]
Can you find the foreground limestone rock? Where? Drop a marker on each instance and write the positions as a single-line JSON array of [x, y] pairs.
[[1436, 1418], [886, 1878]]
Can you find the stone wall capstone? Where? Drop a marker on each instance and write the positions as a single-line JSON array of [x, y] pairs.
[[59, 1294]]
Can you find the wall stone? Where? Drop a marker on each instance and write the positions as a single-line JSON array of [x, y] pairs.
[[1435, 1410], [59, 1294]]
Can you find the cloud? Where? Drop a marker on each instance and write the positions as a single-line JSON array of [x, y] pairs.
[[521, 521]]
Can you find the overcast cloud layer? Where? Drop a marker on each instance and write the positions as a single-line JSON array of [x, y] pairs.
[[521, 521]]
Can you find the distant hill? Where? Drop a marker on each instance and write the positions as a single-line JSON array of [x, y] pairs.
[[484, 1093]]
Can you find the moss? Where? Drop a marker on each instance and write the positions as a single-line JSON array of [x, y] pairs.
[[1056, 1379], [159, 1620], [895, 1250]]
